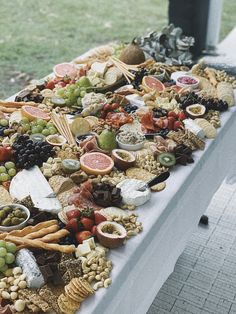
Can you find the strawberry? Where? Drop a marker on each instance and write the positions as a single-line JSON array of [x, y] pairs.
[[50, 85], [177, 125], [182, 115], [72, 225], [75, 213], [171, 121], [165, 123], [94, 230], [87, 223], [83, 235], [88, 213], [5, 153], [172, 114], [99, 218]]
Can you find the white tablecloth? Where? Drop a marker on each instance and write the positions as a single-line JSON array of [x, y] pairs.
[[169, 218]]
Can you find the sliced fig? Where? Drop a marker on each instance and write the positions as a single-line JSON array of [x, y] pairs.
[[111, 234], [123, 159]]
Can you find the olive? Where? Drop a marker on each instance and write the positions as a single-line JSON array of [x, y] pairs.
[[21, 220], [24, 215], [18, 213], [15, 221], [11, 215], [6, 222], [2, 214], [7, 209]]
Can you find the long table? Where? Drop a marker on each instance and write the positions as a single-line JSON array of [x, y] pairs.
[[169, 218]]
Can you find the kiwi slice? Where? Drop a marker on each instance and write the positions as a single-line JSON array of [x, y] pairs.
[[167, 159]]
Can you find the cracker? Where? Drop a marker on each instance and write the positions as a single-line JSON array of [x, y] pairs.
[[63, 306], [139, 174], [84, 284], [158, 187], [5, 196], [74, 294], [70, 303]]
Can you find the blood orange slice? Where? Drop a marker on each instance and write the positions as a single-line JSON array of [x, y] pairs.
[[65, 69], [150, 83], [34, 113], [96, 163]]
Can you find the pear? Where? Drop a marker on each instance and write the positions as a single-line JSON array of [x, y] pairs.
[[107, 140]]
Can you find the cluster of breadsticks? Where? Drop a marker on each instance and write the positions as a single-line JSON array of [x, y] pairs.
[[44, 235]]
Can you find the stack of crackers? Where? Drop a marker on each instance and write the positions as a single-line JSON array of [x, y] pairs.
[[76, 292]]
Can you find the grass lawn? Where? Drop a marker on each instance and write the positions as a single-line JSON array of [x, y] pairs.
[[35, 35]]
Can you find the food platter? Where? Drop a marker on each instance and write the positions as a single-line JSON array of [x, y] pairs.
[[85, 196]]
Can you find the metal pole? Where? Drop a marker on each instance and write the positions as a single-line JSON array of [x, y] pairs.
[[213, 25]]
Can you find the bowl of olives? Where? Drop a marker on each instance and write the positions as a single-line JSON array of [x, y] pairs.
[[13, 216]]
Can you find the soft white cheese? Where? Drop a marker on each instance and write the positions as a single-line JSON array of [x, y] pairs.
[[82, 249], [131, 195], [194, 128]]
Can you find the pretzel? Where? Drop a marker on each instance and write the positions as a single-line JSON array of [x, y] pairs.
[[27, 230], [42, 232], [35, 243]]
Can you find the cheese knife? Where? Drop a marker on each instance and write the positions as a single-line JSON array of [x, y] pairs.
[[158, 179]]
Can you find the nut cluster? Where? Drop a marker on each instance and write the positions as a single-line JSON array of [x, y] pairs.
[[149, 163], [52, 167], [222, 76], [96, 268], [130, 223], [67, 151], [13, 281], [214, 118], [113, 178]]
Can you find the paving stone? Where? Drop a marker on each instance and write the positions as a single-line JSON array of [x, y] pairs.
[[204, 278]]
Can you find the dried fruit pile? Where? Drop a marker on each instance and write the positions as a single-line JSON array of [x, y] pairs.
[[79, 152]]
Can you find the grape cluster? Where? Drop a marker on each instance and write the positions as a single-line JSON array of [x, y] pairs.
[[38, 126], [28, 153], [73, 93], [130, 108], [7, 254], [138, 78], [210, 103]]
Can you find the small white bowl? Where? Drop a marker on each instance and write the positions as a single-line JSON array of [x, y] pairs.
[[191, 86], [51, 138], [22, 224], [130, 146]]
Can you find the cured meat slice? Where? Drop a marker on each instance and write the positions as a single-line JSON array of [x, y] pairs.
[[148, 122]]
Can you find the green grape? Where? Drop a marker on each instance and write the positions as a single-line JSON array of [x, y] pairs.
[[4, 122], [61, 92], [9, 164], [3, 169], [3, 252], [2, 262], [77, 92], [40, 128], [2, 243], [41, 122], [24, 120], [12, 172], [10, 258], [83, 89], [35, 130], [79, 102], [11, 247], [50, 125], [82, 94], [4, 177], [46, 132], [52, 131], [4, 268]]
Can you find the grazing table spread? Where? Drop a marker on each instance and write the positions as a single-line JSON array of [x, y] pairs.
[[90, 220]]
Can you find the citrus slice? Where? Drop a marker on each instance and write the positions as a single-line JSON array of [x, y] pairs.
[[92, 120], [96, 163], [34, 113], [80, 126], [65, 69], [150, 83]]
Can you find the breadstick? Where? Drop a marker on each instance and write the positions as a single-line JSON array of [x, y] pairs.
[[42, 232], [35, 243], [16, 104], [27, 230], [54, 236]]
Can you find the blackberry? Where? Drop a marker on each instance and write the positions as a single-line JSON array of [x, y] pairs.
[[158, 112], [130, 108], [138, 78]]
